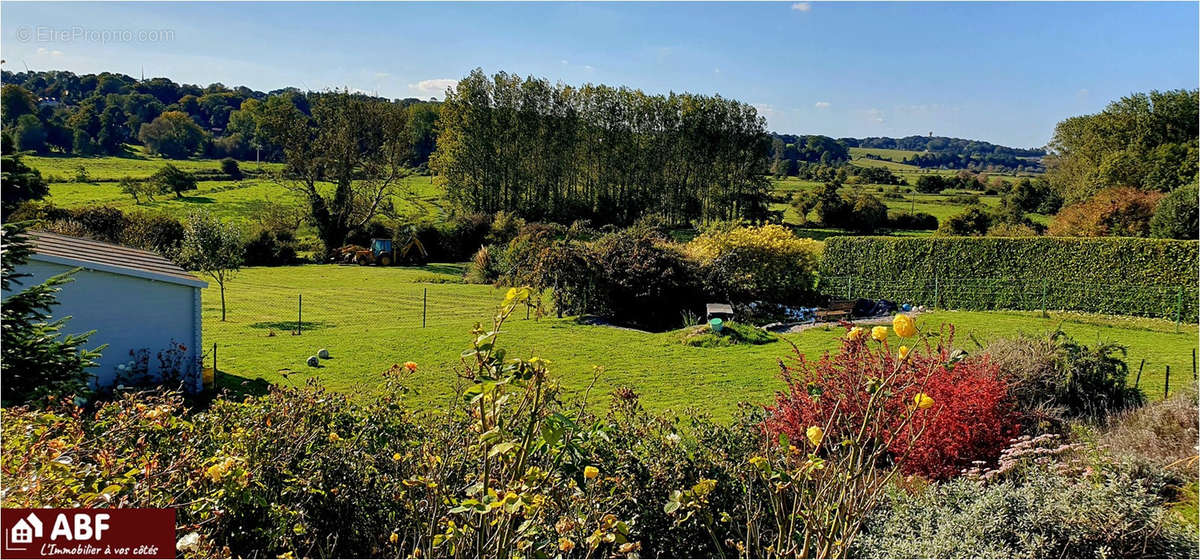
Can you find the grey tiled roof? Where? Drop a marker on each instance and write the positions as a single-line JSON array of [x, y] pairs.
[[109, 256]]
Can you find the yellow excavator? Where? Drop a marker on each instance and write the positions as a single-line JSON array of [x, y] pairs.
[[385, 253]]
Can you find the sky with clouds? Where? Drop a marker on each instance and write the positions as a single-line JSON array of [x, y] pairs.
[[1005, 73]]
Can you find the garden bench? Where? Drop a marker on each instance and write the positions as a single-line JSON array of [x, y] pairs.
[[836, 310]]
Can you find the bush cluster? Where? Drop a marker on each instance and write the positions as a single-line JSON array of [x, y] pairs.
[[915, 220], [271, 243], [746, 264], [1056, 378], [157, 232], [639, 276]]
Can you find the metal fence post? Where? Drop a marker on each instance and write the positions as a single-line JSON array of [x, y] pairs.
[[299, 313], [1167, 383], [937, 294], [1137, 381], [1044, 287], [424, 304], [1178, 308]]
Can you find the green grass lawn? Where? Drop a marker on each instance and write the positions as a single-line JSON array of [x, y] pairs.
[[370, 318]]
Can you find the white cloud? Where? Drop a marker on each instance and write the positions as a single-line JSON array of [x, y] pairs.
[[875, 115], [801, 7], [821, 105], [382, 74], [44, 50], [437, 85]]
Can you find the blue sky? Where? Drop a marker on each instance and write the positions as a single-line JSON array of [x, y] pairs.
[[1005, 73]]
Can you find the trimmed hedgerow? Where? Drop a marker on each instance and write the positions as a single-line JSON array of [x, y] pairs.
[[1127, 276]]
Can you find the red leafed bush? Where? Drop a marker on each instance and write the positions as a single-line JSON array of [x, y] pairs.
[[972, 417]]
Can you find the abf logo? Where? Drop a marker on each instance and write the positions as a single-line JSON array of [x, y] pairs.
[[76, 527], [87, 533], [26, 529]]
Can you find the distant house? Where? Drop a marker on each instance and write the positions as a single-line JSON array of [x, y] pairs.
[[144, 307]]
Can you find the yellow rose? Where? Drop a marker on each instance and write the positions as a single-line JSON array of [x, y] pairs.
[[333, 436], [922, 400], [590, 472], [904, 326], [904, 352], [410, 366], [879, 333], [396, 456], [815, 434], [394, 538], [855, 333]]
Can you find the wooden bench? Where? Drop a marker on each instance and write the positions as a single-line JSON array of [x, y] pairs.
[[836, 310]]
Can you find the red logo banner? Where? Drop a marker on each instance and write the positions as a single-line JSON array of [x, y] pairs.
[[88, 533]]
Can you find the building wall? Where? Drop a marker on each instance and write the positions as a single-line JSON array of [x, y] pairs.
[[129, 314]]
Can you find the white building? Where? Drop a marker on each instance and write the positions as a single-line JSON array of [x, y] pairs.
[[140, 304]]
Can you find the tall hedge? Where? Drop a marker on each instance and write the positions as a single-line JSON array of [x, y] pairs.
[[1128, 276]]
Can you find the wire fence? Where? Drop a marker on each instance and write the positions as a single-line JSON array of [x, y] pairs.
[[288, 309], [1177, 303]]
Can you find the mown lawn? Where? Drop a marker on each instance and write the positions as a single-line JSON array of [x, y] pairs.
[[370, 318]]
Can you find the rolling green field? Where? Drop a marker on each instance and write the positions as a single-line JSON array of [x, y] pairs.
[[939, 205], [370, 318], [239, 201], [416, 198], [64, 168]]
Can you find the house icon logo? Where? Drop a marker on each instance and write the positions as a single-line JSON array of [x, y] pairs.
[[24, 531]]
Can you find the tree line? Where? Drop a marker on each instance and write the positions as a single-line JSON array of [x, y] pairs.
[[612, 155], [98, 114]]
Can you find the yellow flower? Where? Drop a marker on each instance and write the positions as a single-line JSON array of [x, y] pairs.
[[394, 538], [566, 545], [590, 472], [855, 333], [922, 401], [410, 366], [815, 434], [879, 333], [904, 326], [903, 352], [396, 456], [333, 436], [758, 461]]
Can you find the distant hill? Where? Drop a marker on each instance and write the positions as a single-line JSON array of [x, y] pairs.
[[941, 152], [929, 152]]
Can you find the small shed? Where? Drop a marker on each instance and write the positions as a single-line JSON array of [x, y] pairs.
[[143, 306]]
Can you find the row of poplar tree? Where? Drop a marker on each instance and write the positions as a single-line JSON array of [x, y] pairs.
[[612, 155]]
